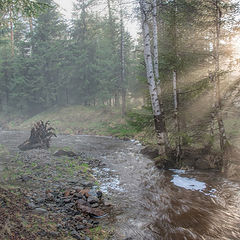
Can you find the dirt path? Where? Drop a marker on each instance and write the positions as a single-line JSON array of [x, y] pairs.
[[152, 204]]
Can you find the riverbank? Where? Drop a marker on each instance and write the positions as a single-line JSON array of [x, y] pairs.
[[51, 194], [146, 203]]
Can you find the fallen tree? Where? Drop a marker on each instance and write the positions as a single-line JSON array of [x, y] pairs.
[[40, 137]]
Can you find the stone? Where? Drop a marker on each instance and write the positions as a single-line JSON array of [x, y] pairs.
[[40, 211], [90, 211], [75, 235], [95, 205], [92, 200], [80, 227], [49, 197], [87, 184], [31, 206], [62, 152], [107, 203], [54, 234]]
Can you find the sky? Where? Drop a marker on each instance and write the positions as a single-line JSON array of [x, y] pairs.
[[131, 25]]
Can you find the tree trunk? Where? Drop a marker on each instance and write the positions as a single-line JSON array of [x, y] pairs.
[[176, 116], [155, 42], [12, 32], [158, 116], [123, 90], [222, 134]]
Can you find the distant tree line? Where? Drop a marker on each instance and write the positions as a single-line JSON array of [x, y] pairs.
[[46, 61]]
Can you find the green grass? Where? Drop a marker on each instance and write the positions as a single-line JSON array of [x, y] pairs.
[[74, 120]]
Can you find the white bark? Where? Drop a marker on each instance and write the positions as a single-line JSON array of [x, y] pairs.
[[123, 90], [155, 42], [158, 117], [176, 115]]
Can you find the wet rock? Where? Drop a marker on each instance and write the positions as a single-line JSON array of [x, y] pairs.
[[62, 152]]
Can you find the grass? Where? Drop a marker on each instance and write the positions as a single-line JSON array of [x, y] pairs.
[[73, 120]]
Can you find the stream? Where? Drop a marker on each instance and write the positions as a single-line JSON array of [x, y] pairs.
[[151, 203]]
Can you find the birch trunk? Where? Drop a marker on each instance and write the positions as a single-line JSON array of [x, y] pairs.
[[155, 42], [222, 134], [176, 116], [158, 116], [123, 90]]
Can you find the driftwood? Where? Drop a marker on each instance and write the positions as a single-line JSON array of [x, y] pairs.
[[40, 137]]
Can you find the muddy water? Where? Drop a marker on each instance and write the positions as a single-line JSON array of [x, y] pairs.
[[152, 204]]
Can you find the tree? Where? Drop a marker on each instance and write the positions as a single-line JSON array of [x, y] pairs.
[[158, 116]]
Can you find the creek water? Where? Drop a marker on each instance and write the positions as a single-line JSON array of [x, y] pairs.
[[151, 203]]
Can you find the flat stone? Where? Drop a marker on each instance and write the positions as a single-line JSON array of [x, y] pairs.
[[40, 211]]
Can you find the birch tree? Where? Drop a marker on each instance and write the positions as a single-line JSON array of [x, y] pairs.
[[218, 101], [159, 120], [123, 90]]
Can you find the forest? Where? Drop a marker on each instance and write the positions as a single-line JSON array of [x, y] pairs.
[[171, 86]]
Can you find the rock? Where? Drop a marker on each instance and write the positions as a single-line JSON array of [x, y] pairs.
[[79, 218], [25, 178], [78, 189], [49, 197], [82, 202], [99, 195], [75, 235], [90, 211], [87, 184], [54, 234], [92, 200], [107, 203], [80, 227], [150, 151], [31, 206], [67, 193], [85, 192], [95, 205], [62, 152], [40, 211], [66, 200]]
